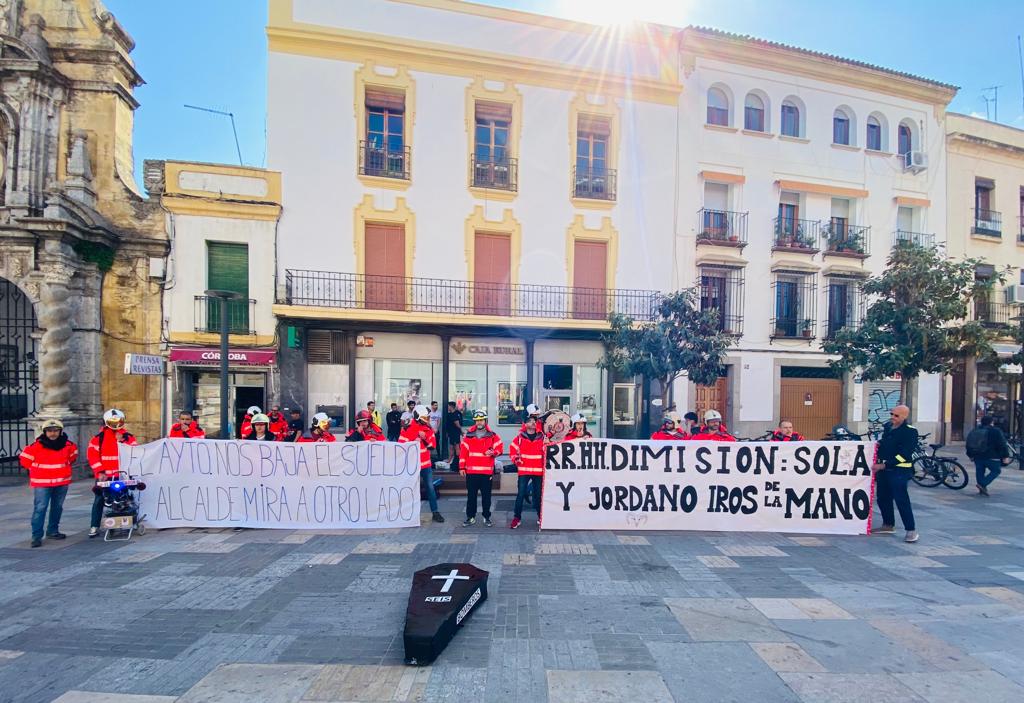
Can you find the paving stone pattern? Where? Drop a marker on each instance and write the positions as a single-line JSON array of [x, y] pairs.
[[288, 616]]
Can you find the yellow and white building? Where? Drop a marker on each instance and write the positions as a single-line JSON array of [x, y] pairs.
[[986, 222]]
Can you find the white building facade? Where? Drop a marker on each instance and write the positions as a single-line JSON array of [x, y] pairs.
[[798, 173]]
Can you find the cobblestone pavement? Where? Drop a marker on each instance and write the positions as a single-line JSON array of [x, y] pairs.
[[281, 616]]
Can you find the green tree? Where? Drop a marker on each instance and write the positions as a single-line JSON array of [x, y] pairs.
[[917, 321], [682, 339]]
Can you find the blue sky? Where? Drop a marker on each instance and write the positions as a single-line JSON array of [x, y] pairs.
[[212, 53]]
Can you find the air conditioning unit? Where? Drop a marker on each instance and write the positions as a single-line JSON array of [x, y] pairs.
[[915, 161], [1015, 295]]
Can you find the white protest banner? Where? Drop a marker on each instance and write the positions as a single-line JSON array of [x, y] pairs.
[[813, 487], [302, 485]]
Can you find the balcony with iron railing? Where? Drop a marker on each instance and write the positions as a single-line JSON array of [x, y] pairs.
[[721, 228], [987, 223], [241, 314], [594, 183], [351, 291], [921, 239], [843, 239], [795, 305], [989, 311], [501, 173], [383, 162], [795, 235]]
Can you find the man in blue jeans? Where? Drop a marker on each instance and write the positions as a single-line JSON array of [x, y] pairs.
[[987, 448], [893, 472]]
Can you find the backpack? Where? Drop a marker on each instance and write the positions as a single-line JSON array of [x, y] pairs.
[[977, 442]]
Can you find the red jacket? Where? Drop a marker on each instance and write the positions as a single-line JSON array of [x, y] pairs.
[[102, 452], [278, 427], [412, 434], [193, 431], [48, 467], [528, 454], [375, 433], [575, 435], [722, 435], [779, 437], [676, 435], [473, 450], [324, 436], [246, 427]]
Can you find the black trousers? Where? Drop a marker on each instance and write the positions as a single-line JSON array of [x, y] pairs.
[[478, 483]]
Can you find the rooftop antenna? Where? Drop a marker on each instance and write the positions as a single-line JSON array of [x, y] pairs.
[[233, 130], [994, 100]]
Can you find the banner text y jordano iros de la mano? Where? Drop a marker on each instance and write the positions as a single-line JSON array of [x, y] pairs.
[[303, 485], [815, 487]]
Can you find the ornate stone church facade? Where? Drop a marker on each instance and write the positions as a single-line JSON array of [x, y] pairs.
[[81, 249]]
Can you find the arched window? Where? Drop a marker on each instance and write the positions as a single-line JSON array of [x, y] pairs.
[[874, 134], [905, 139], [841, 127], [753, 113], [790, 118], [718, 107]]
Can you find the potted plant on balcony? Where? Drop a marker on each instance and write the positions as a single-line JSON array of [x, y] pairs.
[[807, 328], [780, 332]]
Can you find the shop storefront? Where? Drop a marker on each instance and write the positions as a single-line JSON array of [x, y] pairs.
[[195, 379]]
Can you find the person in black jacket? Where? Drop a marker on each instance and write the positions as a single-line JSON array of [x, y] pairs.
[[393, 420], [894, 470], [988, 462]]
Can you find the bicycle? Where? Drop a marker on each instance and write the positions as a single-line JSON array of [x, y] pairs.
[[930, 469], [764, 437]]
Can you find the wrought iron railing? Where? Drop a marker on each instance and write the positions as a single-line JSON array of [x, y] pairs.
[[843, 238], [992, 313], [497, 174], [921, 239], [437, 295], [377, 160], [721, 289], [240, 315], [721, 227], [988, 223], [1020, 229], [846, 306], [800, 235], [595, 183], [795, 299]]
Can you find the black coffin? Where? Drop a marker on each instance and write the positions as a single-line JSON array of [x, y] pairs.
[[442, 597]]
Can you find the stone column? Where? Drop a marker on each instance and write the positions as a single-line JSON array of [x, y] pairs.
[[55, 319]]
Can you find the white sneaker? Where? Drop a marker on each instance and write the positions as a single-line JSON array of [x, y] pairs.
[[912, 536], [93, 531]]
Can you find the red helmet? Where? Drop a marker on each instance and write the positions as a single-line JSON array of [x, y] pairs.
[[364, 415]]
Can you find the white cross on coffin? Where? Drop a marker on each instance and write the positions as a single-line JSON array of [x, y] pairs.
[[451, 578]]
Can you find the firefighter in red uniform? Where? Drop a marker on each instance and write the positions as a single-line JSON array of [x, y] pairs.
[[533, 417], [320, 430], [579, 428], [670, 428], [785, 433], [278, 425], [476, 462], [104, 461], [713, 429], [48, 461], [187, 427], [527, 453], [360, 433], [260, 431], [419, 430], [246, 429]]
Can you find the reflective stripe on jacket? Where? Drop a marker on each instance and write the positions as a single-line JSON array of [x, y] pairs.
[[427, 442], [48, 467], [528, 454], [473, 450], [102, 452]]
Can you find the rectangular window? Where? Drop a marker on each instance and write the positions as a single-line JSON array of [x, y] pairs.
[[844, 305], [721, 289], [986, 220], [227, 268], [795, 296], [753, 119], [874, 136], [592, 173], [326, 347], [493, 167], [790, 121], [384, 150], [840, 130]]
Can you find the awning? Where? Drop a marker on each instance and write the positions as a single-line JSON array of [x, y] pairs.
[[200, 356], [1005, 350]]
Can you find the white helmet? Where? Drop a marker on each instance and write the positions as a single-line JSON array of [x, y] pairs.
[[113, 418], [671, 418], [578, 417], [421, 411], [322, 421], [258, 418], [253, 410], [710, 415], [51, 422], [532, 410]]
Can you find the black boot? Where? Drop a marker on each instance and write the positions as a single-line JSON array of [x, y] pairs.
[[438, 517]]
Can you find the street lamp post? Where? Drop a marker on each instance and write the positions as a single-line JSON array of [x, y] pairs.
[[224, 296]]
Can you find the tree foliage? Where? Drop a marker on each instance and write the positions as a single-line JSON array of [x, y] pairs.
[[682, 339], [917, 321]]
